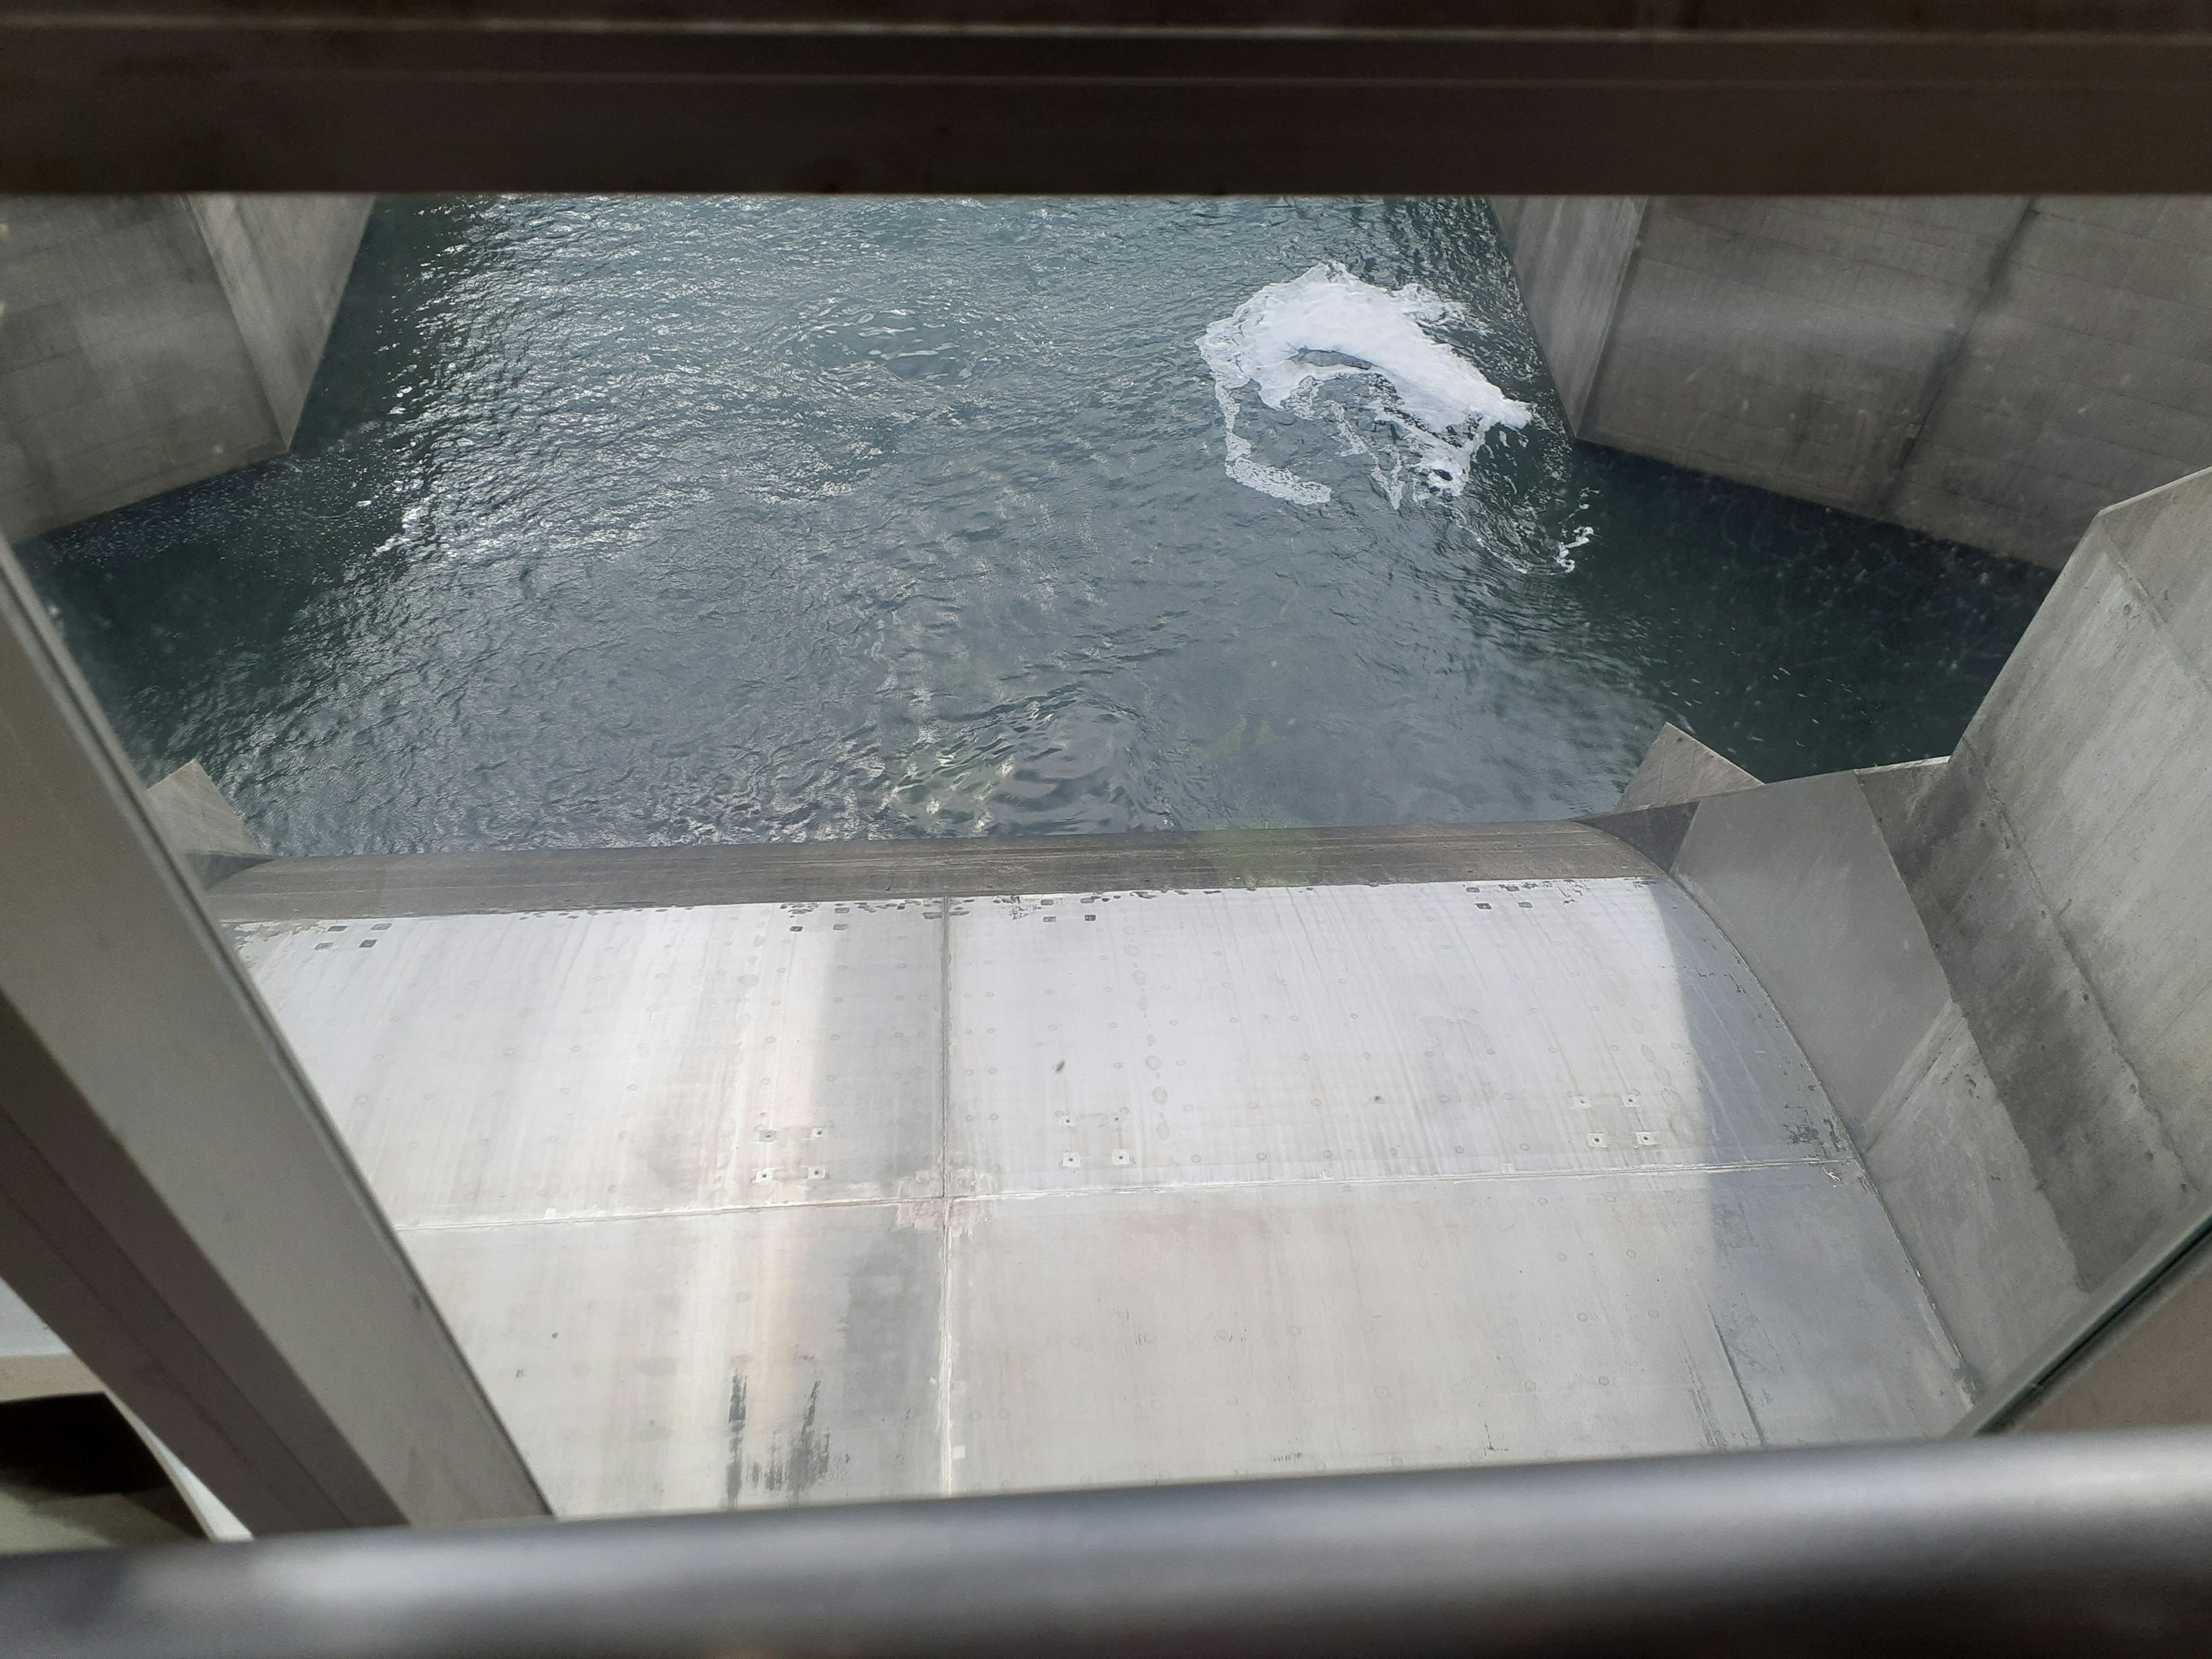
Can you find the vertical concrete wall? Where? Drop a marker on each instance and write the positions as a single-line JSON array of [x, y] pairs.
[[2063, 862], [2086, 379], [1571, 254], [1800, 877], [149, 341], [1997, 963], [1992, 370]]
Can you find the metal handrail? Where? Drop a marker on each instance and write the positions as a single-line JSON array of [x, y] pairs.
[[2074, 1544]]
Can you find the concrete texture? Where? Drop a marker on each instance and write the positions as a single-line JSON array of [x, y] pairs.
[[1995, 962], [625, 877], [149, 341], [1991, 370], [1572, 253], [2060, 864], [1677, 767], [1800, 878], [2086, 379], [202, 824], [756, 1203]]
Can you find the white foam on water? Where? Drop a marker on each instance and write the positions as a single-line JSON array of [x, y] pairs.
[[1438, 404]]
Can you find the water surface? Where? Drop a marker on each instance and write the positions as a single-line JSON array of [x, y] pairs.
[[654, 520]]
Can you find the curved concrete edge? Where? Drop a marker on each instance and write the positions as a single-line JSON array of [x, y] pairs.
[[646, 877], [1800, 877]]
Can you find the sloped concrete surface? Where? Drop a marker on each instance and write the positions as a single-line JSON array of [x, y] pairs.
[[756, 1203]]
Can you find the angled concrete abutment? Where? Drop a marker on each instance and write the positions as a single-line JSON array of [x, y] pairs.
[[1992, 370], [149, 341], [1800, 877], [1997, 964]]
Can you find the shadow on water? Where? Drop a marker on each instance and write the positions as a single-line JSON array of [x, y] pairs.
[[646, 520]]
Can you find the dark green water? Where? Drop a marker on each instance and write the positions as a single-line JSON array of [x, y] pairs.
[[652, 521]]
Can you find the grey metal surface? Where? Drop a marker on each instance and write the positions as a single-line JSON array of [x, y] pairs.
[[741, 1204], [628, 878], [2036, 1545]]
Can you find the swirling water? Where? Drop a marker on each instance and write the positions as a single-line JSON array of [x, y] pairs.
[[654, 520]]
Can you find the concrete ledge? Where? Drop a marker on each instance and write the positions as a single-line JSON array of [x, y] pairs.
[[636, 878], [1677, 767]]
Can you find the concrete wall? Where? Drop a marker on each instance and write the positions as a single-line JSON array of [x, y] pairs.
[[1992, 370], [149, 341], [1572, 254], [1799, 877], [2086, 379], [2063, 862], [1997, 963]]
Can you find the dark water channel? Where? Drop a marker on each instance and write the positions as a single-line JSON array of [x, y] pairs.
[[656, 520]]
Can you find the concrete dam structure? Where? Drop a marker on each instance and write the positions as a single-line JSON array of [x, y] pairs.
[[150, 342], [1748, 1115], [1988, 370]]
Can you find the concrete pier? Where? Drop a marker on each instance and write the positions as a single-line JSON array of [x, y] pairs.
[[1751, 1113], [1990, 370], [1996, 961], [150, 342]]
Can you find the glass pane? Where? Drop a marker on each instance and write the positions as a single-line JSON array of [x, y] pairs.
[[942, 846]]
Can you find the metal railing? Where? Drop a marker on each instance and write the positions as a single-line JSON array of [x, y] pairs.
[[2084, 1544]]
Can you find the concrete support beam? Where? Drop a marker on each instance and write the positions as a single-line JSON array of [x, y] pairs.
[[173, 1201], [150, 342]]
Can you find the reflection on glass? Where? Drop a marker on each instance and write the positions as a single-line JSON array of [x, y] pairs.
[[879, 1139]]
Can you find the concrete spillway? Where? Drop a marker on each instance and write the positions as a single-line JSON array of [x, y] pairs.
[[758, 1201], [1750, 1114]]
